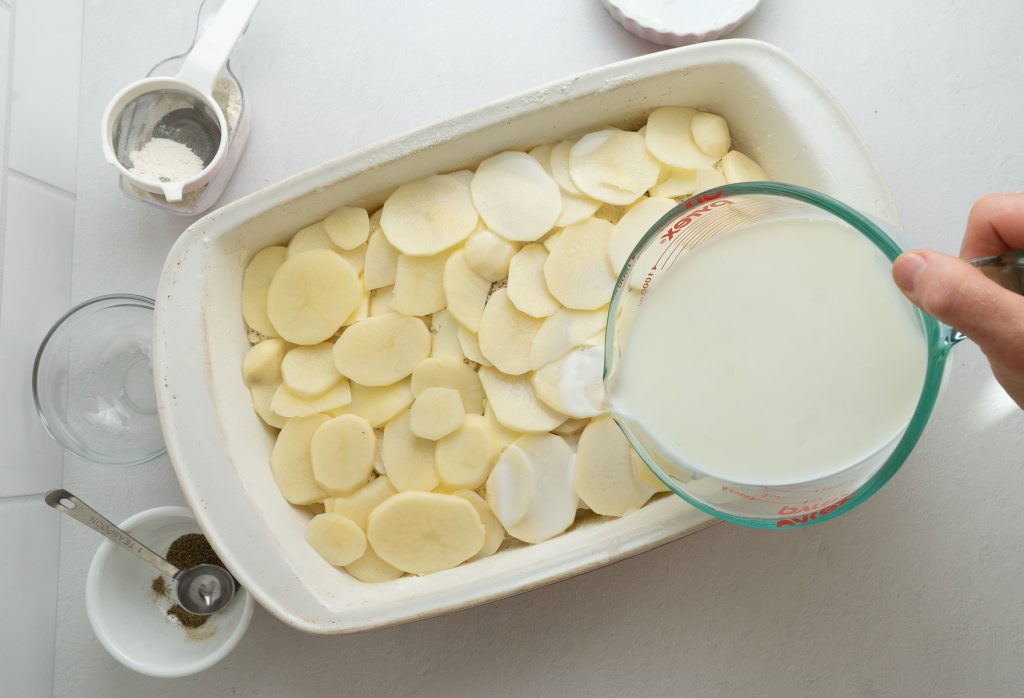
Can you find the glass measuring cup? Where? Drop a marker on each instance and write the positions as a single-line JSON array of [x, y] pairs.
[[703, 218]]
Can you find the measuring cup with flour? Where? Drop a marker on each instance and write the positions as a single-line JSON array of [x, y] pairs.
[[176, 139]]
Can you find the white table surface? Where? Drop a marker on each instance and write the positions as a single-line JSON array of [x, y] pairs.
[[917, 592]]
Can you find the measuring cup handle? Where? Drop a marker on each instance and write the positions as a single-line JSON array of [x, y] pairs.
[[211, 51], [65, 502]]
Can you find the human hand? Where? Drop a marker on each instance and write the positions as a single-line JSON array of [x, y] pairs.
[[958, 294]]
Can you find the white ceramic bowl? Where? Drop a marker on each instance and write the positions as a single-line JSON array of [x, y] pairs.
[[130, 619], [220, 450]]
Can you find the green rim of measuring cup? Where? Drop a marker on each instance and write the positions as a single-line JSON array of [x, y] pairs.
[[939, 343]]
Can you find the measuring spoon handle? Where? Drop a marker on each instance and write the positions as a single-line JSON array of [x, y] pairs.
[[64, 501]]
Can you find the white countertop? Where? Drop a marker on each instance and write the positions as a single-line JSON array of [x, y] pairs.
[[917, 592]]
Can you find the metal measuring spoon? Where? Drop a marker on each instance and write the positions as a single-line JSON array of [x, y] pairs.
[[202, 590], [1006, 269]]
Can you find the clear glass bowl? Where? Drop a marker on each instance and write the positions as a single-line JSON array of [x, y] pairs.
[[694, 222], [93, 381]]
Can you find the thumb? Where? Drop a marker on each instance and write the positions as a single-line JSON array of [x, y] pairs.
[[956, 293]]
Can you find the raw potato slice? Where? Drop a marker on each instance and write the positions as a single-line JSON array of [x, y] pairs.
[[494, 532], [348, 227], [342, 452], [542, 154], [262, 363], [503, 435], [287, 405], [381, 350], [291, 463], [516, 198], [371, 569], [379, 404], [612, 214], [605, 478], [644, 474], [553, 502], [675, 184], [380, 262], [669, 139], [708, 178], [465, 291], [428, 216], [613, 166], [564, 331], [570, 427], [356, 258], [489, 254], [515, 404], [255, 284], [574, 384], [419, 284], [262, 397], [311, 295], [358, 505], [737, 167], [445, 331], [506, 334], [436, 413], [551, 240], [361, 312], [336, 539], [632, 226], [577, 271], [471, 347], [309, 371], [559, 163], [408, 459], [464, 458], [526, 286], [576, 209], [510, 487], [380, 301], [312, 237], [710, 133], [445, 372], [424, 532]]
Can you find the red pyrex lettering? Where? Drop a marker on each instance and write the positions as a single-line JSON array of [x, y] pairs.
[[821, 510], [709, 202]]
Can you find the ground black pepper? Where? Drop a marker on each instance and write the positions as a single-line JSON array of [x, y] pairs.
[[186, 551]]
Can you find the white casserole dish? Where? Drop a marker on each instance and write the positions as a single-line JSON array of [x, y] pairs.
[[220, 450]]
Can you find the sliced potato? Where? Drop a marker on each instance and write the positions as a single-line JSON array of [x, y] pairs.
[[737, 167], [419, 284], [570, 427], [311, 295], [355, 257], [510, 487], [465, 291], [262, 397], [358, 505], [309, 372], [494, 532], [361, 312], [471, 347], [464, 458], [262, 363], [669, 138], [610, 213], [644, 474], [516, 198], [348, 227], [370, 568], [573, 384], [564, 331], [312, 237], [605, 478], [489, 254], [675, 183], [526, 286], [711, 133], [576, 209], [515, 404], [336, 539], [506, 334], [559, 164], [552, 504], [542, 154], [551, 240], [613, 166], [446, 372], [255, 284], [408, 459], [291, 462], [708, 178], [342, 452], [502, 434], [381, 258], [380, 301], [428, 216], [445, 332], [381, 350], [632, 227], [379, 404], [436, 412], [285, 404], [577, 271], [424, 532]]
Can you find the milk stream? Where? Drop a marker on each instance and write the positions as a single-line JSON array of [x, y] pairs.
[[775, 354]]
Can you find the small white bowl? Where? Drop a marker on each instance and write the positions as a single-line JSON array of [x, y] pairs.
[[130, 619]]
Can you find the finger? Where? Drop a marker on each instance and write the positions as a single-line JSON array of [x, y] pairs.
[[995, 225], [959, 295]]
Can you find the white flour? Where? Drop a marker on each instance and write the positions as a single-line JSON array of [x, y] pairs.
[[229, 99], [165, 160]]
